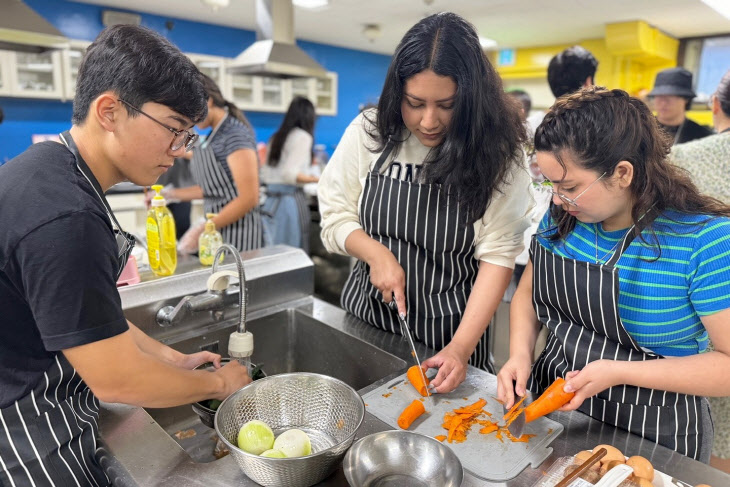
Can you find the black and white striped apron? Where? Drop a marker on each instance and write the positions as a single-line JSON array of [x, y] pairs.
[[420, 224], [48, 437], [578, 302], [219, 189]]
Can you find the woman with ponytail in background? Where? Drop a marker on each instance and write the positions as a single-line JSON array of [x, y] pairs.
[[225, 166], [286, 212], [629, 272]]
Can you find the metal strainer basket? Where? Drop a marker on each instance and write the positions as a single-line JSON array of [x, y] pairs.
[[325, 408]]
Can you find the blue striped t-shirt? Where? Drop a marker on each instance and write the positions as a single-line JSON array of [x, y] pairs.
[[661, 300]]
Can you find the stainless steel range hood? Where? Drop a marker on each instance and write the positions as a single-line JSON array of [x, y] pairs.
[[21, 29], [275, 53]]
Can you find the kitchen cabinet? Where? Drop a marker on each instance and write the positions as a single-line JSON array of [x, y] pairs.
[[272, 94], [36, 75], [53, 75], [325, 99], [242, 91], [320, 91], [215, 68], [4, 73], [71, 60]]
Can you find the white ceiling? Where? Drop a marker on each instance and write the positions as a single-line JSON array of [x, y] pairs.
[[512, 23]]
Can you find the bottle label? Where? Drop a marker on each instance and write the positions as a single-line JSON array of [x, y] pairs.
[[153, 243]]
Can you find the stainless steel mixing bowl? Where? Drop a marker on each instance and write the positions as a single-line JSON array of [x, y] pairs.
[[402, 459], [325, 408]]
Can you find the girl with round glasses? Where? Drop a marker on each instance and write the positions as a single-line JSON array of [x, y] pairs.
[[629, 272]]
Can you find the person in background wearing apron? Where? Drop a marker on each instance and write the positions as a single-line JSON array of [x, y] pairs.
[[64, 341], [629, 273], [430, 193], [286, 212], [225, 166]]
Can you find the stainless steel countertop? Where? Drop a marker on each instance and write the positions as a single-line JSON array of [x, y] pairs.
[[136, 451]]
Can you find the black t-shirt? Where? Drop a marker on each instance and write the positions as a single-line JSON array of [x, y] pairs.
[[691, 130], [58, 262]]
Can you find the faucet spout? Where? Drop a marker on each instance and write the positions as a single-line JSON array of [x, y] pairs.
[[243, 290]]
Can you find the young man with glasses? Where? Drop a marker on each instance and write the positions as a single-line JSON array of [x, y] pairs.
[[64, 341]]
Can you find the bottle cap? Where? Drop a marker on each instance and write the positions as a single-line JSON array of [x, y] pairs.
[[158, 200]]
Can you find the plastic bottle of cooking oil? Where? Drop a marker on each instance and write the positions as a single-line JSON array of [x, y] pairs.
[[161, 240], [209, 242]]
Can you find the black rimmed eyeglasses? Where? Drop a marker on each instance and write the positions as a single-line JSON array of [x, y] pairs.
[[181, 138], [548, 185]]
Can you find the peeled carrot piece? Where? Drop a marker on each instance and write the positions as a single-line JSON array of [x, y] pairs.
[[512, 412], [415, 378], [552, 399], [440, 437], [410, 414]]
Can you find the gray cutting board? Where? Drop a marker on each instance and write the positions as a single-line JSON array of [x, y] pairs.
[[482, 455]]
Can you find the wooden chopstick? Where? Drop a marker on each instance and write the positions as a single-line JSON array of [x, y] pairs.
[[597, 455]]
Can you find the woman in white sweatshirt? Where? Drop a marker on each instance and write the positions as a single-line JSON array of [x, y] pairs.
[[430, 193]]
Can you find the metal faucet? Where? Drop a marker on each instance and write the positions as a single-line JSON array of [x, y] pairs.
[[243, 290], [213, 299]]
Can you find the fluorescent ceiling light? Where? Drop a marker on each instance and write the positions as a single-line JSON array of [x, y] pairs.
[[487, 43], [720, 6], [311, 4]]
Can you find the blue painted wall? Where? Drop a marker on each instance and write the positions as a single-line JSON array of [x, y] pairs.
[[360, 74]]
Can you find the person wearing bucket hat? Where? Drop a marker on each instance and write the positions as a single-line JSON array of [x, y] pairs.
[[671, 98]]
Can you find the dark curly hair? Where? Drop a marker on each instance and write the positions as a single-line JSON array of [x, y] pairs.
[[599, 128], [485, 137]]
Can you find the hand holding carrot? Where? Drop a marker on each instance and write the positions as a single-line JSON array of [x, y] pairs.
[[512, 378], [451, 362], [593, 378]]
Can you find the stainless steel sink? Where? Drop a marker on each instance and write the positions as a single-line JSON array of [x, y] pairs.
[[286, 341]]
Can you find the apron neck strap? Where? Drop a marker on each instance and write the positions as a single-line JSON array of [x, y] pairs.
[[70, 144], [207, 140], [628, 238], [384, 156]]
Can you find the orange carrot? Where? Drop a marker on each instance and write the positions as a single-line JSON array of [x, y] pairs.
[[440, 437], [415, 378], [410, 413], [553, 398]]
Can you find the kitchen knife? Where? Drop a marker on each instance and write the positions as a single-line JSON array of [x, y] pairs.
[[406, 332], [517, 425]]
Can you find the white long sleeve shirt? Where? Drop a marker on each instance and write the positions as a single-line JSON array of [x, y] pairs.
[[498, 234], [296, 157]]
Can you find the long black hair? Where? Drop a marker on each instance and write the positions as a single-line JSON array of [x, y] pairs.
[[300, 114], [214, 93], [484, 139], [600, 128]]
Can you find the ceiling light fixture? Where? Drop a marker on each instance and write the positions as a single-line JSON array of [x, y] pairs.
[[311, 4], [720, 6], [487, 44], [371, 32], [215, 4]]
